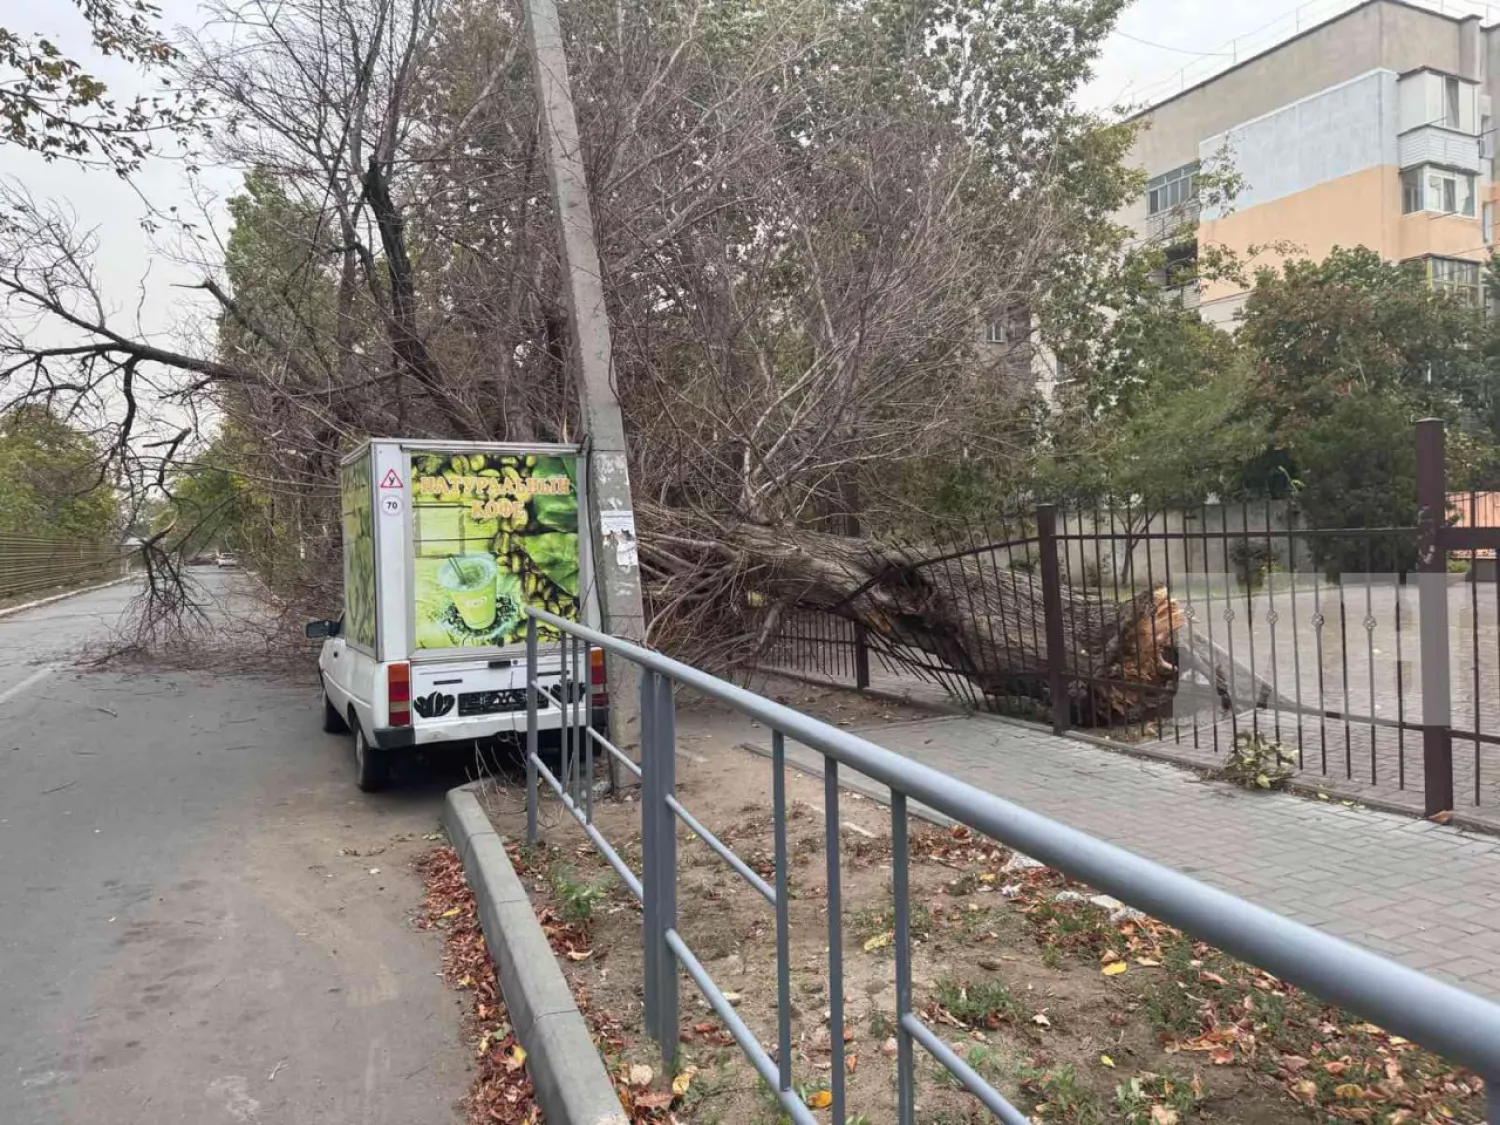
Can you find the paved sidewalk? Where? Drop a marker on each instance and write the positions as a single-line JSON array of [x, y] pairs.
[[1421, 893]]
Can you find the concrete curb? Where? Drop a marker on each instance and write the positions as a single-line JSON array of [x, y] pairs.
[[64, 596], [572, 1086]]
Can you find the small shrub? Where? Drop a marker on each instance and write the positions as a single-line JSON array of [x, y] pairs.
[[1256, 762], [576, 898]]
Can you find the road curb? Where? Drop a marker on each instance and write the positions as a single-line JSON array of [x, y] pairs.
[[64, 596], [572, 1086]]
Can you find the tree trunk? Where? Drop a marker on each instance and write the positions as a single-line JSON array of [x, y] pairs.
[[983, 621]]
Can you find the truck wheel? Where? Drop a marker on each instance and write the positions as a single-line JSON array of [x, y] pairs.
[[333, 722], [372, 765]]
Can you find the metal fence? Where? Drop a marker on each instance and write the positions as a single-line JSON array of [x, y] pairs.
[[29, 564], [1360, 654], [1440, 1017]]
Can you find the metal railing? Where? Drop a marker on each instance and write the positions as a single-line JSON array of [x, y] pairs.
[[1454, 1023]]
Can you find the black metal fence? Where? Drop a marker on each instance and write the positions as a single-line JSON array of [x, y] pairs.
[[1357, 656]]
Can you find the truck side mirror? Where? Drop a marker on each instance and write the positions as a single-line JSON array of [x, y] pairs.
[[316, 630]]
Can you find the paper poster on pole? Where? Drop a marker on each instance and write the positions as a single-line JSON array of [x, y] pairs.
[[617, 528]]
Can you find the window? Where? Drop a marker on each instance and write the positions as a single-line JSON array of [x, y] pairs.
[[1437, 189], [1450, 275], [1411, 190], [1012, 326], [1172, 189], [1452, 117], [1487, 223]]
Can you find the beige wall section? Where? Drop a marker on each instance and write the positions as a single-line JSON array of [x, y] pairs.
[[1448, 236], [1383, 33], [1360, 209]]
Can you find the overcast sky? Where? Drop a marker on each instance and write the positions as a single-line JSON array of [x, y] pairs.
[[1160, 45]]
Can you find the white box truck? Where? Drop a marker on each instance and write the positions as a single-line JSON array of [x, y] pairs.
[[445, 544]]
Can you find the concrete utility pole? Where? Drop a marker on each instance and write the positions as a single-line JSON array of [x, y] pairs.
[[616, 567]]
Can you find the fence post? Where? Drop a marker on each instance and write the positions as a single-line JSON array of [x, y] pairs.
[[659, 859], [861, 658], [1057, 681], [1432, 604], [531, 731]]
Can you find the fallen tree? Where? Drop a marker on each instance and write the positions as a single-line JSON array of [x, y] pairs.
[[984, 622]]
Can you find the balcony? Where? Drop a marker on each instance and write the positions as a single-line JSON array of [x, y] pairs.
[[1433, 144]]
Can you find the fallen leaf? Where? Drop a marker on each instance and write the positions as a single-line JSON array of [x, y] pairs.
[[733, 997], [1336, 1067], [1212, 978], [1041, 1020], [580, 954], [1221, 1056], [640, 1075], [889, 1047], [1162, 1115], [1107, 1061], [1306, 1090], [1114, 968], [850, 1063], [450, 913], [987, 877], [1147, 962], [656, 1100], [515, 1057], [681, 1083], [820, 1099], [1442, 817], [1351, 1090], [879, 941]]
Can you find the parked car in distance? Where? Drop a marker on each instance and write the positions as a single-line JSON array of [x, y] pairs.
[[226, 560]]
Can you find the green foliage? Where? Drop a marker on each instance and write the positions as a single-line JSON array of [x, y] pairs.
[[1257, 762], [1314, 397], [213, 506], [51, 105], [576, 898], [52, 483]]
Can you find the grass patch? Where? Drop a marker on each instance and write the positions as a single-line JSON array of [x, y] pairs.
[[978, 1003], [871, 921], [1059, 1095], [1135, 1099]]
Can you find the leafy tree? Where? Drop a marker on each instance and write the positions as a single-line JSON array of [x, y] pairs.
[[51, 483], [50, 104]]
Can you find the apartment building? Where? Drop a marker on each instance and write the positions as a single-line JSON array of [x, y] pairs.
[[1373, 128]]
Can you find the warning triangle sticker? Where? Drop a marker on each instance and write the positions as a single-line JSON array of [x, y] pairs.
[[391, 480]]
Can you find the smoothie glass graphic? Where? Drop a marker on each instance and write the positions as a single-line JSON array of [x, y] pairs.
[[470, 581]]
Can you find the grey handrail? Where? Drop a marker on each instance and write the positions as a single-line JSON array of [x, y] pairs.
[[1441, 1017]]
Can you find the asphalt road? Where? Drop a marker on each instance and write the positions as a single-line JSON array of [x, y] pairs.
[[184, 934]]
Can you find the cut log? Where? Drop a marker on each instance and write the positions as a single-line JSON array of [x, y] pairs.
[[975, 616]]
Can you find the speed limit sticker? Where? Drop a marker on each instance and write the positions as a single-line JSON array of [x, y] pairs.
[[390, 504]]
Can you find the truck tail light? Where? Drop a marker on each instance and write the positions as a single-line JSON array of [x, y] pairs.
[[596, 677], [398, 688]]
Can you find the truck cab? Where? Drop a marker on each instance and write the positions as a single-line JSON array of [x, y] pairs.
[[445, 544]]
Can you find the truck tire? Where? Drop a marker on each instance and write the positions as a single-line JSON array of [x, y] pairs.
[[333, 722], [372, 765]]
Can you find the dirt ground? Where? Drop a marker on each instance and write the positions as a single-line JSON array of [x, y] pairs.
[[1073, 1016]]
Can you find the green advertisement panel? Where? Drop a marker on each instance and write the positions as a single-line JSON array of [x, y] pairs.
[[492, 533], [357, 498]]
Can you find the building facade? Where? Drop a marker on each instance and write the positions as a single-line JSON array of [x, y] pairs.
[[1372, 129]]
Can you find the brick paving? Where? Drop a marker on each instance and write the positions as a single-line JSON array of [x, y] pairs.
[[1424, 894]]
